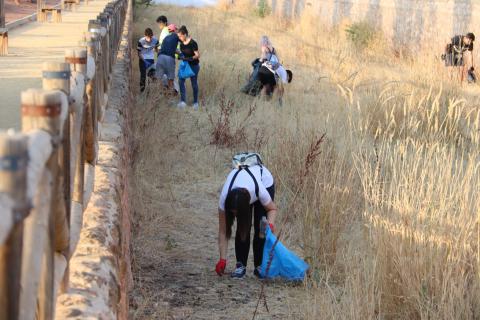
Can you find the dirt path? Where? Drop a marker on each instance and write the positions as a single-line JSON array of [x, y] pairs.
[[175, 240]]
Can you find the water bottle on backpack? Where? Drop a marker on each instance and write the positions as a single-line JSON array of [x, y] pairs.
[[263, 227]]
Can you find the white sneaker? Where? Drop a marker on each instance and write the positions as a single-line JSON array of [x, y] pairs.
[[181, 105], [195, 106]]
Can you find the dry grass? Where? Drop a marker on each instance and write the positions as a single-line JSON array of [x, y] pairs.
[[387, 214]]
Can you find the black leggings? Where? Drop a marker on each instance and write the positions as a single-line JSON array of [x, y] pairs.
[[242, 248], [267, 78]]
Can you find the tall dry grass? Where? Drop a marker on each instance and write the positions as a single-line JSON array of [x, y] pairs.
[[387, 212]]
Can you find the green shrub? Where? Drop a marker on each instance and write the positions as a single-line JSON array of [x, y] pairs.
[[263, 9], [361, 34]]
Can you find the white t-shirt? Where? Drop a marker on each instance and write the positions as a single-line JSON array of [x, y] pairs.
[[244, 180], [282, 74], [267, 177], [163, 34]]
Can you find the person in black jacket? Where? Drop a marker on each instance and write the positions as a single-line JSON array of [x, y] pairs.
[[459, 53]]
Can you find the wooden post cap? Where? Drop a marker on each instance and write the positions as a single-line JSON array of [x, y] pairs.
[[77, 58], [56, 76], [41, 109]]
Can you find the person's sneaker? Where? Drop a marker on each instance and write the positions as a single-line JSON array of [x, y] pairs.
[[257, 273], [239, 272], [195, 106], [181, 105]]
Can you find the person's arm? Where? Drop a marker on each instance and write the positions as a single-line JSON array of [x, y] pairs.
[[222, 235], [280, 89], [196, 55], [222, 243], [472, 60], [139, 50], [271, 208]]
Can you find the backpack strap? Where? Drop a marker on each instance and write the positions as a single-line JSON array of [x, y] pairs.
[[257, 190], [233, 179], [254, 180]]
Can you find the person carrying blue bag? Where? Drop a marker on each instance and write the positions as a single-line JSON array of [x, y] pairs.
[[247, 195], [189, 67]]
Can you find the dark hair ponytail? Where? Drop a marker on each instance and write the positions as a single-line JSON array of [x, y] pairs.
[[238, 200], [183, 30]]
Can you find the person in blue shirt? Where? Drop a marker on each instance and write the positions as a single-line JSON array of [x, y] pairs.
[[146, 48], [166, 58]]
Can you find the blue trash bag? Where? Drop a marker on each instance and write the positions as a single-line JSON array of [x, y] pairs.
[[185, 71], [285, 264]]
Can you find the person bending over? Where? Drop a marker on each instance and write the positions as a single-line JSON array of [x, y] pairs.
[[146, 48], [247, 193], [166, 58], [272, 77]]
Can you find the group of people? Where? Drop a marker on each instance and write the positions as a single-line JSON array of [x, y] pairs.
[[175, 43], [172, 44]]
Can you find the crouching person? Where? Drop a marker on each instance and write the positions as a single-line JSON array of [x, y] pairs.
[[459, 54], [146, 48], [166, 58], [247, 195]]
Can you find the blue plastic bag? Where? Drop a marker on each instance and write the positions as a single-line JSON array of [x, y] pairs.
[[285, 263], [185, 71]]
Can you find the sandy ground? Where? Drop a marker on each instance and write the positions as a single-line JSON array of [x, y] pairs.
[[176, 223], [14, 12], [31, 45]]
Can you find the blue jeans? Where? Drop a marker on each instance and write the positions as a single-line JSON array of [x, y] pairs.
[[194, 80], [144, 65]]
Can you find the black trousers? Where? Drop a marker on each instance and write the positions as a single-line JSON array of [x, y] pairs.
[[144, 65], [242, 248], [143, 74], [267, 78]]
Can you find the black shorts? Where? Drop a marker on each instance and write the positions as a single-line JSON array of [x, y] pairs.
[[266, 76]]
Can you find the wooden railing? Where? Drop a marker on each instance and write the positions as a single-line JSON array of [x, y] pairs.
[[45, 168]]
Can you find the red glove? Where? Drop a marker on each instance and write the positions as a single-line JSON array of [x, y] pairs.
[[220, 268], [272, 227]]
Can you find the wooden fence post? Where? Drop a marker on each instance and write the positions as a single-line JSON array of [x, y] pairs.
[[96, 26], [77, 59], [93, 103], [3, 31], [56, 76], [41, 110], [13, 182], [78, 62], [100, 77]]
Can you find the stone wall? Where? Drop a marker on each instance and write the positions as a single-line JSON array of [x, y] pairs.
[[404, 22], [100, 274]]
